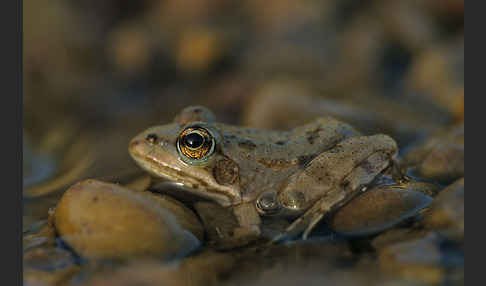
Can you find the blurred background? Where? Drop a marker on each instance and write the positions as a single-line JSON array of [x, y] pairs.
[[130, 61], [98, 72]]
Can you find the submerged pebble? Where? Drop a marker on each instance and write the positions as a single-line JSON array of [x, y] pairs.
[[103, 220], [446, 213]]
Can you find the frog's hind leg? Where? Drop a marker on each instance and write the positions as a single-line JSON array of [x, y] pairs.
[[352, 185]]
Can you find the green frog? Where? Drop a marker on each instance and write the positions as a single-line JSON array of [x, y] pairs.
[[303, 175]]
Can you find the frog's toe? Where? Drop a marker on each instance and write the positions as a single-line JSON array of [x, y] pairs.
[[302, 225], [314, 221], [292, 231]]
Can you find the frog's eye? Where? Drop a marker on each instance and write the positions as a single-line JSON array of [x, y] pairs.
[[195, 145]]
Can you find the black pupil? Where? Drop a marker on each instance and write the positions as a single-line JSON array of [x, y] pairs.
[[193, 140]]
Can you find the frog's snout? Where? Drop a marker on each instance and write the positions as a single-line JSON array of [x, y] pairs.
[[138, 146], [133, 144], [140, 149]]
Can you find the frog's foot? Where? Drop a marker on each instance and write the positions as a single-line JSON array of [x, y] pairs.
[[291, 231], [308, 221], [303, 225]]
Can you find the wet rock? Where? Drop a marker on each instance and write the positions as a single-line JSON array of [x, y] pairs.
[[446, 213], [102, 220], [378, 209], [441, 157]]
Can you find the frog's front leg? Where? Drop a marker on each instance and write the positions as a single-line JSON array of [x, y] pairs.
[[249, 222], [333, 178], [229, 227]]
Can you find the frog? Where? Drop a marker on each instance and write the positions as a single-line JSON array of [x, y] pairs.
[[303, 175]]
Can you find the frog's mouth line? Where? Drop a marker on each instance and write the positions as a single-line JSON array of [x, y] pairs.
[[200, 187]]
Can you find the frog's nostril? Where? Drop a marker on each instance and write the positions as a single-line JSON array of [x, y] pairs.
[[151, 138]]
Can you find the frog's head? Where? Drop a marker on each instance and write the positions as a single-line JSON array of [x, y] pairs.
[[188, 152]]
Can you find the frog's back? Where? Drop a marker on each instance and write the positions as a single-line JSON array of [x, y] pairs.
[[265, 158]]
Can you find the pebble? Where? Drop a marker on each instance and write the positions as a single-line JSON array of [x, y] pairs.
[[446, 213], [104, 220]]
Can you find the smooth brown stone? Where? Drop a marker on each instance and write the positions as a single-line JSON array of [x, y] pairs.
[[446, 214], [378, 209], [103, 220]]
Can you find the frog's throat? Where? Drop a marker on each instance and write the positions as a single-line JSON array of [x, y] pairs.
[[196, 185]]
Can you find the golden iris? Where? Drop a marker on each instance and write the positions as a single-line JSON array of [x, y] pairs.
[[195, 143]]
